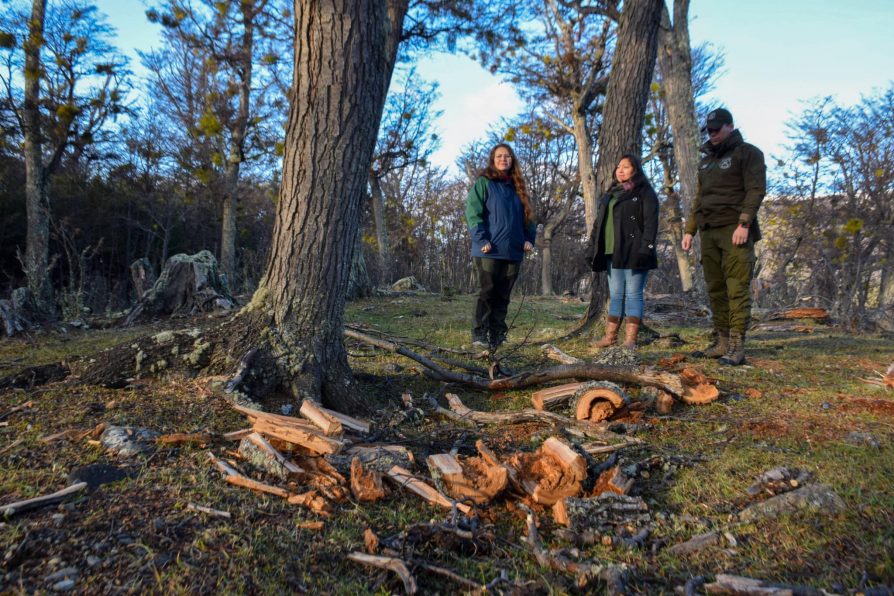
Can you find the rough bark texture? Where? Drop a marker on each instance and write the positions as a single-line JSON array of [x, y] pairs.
[[625, 107], [37, 244], [344, 57], [378, 208]]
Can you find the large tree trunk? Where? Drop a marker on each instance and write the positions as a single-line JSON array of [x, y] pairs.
[[587, 173], [625, 107], [378, 208], [237, 145], [37, 244], [675, 63], [344, 56]]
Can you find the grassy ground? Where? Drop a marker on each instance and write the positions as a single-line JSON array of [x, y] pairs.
[[795, 405]]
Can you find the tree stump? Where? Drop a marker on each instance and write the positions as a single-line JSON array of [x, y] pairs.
[[598, 401]]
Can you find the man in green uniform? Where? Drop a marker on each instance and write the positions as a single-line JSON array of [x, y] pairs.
[[732, 182]]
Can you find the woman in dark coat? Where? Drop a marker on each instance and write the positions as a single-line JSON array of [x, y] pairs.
[[624, 234], [502, 227]]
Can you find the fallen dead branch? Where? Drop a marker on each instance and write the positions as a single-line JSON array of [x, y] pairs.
[[389, 563], [746, 586], [208, 510], [29, 504]]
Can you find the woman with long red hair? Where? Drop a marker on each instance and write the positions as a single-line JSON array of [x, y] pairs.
[[502, 226]]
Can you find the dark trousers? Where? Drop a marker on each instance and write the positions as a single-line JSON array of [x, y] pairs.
[[496, 278], [728, 269]]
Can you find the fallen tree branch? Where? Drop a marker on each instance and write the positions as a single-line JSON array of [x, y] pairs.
[[29, 504], [389, 563]]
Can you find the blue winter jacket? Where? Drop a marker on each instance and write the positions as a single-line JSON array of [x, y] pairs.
[[495, 214]]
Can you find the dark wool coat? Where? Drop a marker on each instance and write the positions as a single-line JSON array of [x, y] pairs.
[[635, 217]]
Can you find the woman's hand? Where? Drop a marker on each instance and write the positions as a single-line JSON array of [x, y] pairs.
[[528, 246], [486, 248]]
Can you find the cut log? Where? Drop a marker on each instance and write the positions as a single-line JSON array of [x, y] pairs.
[[261, 454], [554, 397], [390, 563], [405, 479], [325, 421], [307, 438], [473, 479], [598, 401], [29, 504], [184, 439], [612, 480], [697, 389], [553, 472], [366, 485], [664, 403]]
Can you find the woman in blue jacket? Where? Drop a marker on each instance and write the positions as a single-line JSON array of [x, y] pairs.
[[624, 234], [502, 226]]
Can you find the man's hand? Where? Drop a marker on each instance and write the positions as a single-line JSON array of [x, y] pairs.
[[528, 246], [486, 248], [740, 235], [687, 242]]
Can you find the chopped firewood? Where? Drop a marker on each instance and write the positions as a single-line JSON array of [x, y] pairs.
[[20, 506], [184, 439], [553, 472], [602, 514], [306, 437], [261, 454], [366, 485], [316, 526], [819, 314], [612, 480], [208, 510], [277, 419], [554, 353], [328, 424], [370, 541], [697, 389], [405, 479], [475, 479], [664, 403], [598, 401], [560, 512], [584, 572], [324, 468], [746, 586], [313, 501], [554, 397], [346, 421], [390, 563], [237, 435], [232, 476]]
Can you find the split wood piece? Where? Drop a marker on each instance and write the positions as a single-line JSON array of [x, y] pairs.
[[746, 586], [389, 563], [367, 486], [370, 541], [184, 439], [554, 353], [555, 471], [326, 422], [278, 419], [598, 401], [584, 572], [664, 403], [553, 397], [306, 437], [237, 435], [697, 389], [459, 412], [346, 421], [612, 480], [313, 501], [491, 458], [29, 504], [261, 454], [404, 478], [208, 510], [232, 476], [474, 479]]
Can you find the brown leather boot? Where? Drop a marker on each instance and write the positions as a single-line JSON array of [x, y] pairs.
[[612, 324], [718, 347], [735, 354], [631, 328]]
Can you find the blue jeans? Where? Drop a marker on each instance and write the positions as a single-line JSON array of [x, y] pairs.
[[626, 289]]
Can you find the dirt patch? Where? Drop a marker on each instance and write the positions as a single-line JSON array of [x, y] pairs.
[[879, 407], [766, 428]]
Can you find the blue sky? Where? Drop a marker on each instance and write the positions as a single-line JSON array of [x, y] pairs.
[[778, 54]]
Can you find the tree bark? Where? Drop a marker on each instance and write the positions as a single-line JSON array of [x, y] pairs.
[[675, 63], [37, 244], [344, 56], [584, 142], [237, 145], [378, 206], [625, 107], [546, 264]]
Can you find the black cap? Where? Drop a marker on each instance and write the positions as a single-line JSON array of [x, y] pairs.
[[717, 118]]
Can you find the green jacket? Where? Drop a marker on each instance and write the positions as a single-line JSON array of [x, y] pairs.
[[732, 182]]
